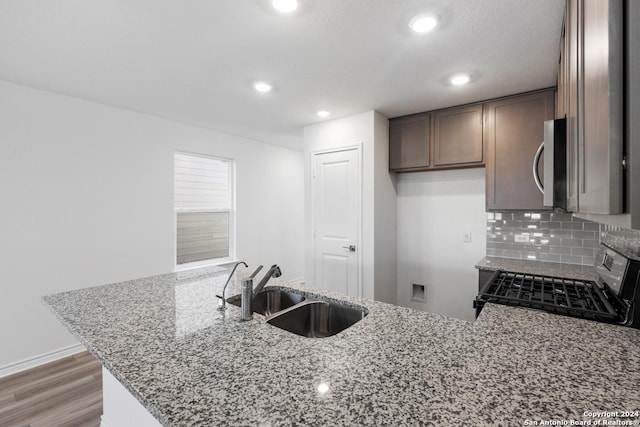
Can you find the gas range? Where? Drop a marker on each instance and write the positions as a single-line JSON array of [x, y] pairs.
[[612, 298]]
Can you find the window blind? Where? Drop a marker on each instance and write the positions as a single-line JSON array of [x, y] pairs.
[[202, 201]]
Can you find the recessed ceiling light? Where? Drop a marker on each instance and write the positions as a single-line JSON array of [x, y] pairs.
[[459, 79], [285, 6], [423, 23], [323, 113], [262, 86]]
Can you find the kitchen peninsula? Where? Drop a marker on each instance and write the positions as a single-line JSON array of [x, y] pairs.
[[187, 363]]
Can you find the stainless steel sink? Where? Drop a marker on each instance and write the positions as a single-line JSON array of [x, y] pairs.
[[271, 300], [317, 319]]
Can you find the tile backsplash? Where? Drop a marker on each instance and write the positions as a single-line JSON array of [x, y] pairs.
[[542, 236], [553, 237]]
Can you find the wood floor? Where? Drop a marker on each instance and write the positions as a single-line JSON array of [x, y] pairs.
[[66, 392]]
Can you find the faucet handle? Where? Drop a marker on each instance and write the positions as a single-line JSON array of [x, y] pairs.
[[256, 272]]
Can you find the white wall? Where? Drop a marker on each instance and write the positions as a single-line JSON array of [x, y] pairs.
[[385, 216], [87, 199], [434, 210], [370, 131]]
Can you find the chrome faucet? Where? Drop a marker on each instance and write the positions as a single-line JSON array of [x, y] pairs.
[[224, 301], [246, 302], [248, 293], [274, 271]]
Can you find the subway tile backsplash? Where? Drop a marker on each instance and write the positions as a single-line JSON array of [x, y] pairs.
[[542, 236], [553, 237]]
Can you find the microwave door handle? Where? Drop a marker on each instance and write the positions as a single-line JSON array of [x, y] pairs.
[[536, 161]]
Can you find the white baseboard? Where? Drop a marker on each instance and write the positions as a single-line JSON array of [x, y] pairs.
[[32, 362]]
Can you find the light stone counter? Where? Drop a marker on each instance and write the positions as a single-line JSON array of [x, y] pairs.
[[192, 365], [556, 269]]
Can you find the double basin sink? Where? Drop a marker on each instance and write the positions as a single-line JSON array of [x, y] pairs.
[[297, 313]]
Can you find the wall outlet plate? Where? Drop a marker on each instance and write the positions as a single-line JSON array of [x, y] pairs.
[[466, 237]]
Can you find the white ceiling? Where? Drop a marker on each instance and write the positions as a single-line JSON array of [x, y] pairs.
[[195, 60]]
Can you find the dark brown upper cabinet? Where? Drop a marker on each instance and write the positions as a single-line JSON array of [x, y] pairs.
[[457, 136], [561, 87], [571, 100], [444, 139], [600, 111], [409, 143], [596, 34], [513, 132]]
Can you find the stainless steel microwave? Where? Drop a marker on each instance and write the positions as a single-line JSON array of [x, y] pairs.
[[554, 148]]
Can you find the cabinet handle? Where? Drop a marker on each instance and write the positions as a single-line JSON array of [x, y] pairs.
[[536, 161]]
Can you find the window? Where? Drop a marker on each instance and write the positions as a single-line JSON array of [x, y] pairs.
[[203, 202]]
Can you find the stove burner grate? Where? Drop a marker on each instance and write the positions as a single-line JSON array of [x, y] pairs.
[[569, 297]]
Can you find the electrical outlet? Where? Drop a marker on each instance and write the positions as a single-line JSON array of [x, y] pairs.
[[466, 237], [522, 238]]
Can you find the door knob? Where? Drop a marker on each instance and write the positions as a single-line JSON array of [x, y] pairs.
[[352, 248]]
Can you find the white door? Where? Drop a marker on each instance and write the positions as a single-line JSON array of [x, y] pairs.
[[336, 218]]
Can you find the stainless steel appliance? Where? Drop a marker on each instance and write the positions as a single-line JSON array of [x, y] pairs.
[[613, 298], [554, 148]]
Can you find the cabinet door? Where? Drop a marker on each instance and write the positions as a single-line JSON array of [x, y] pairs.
[[409, 142], [561, 88], [632, 112], [457, 136], [514, 129], [572, 53], [601, 108]]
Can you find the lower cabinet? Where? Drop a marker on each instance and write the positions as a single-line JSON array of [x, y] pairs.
[[120, 408], [513, 132]]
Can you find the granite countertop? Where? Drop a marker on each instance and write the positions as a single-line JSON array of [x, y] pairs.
[[556, 269], [190, 364]]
